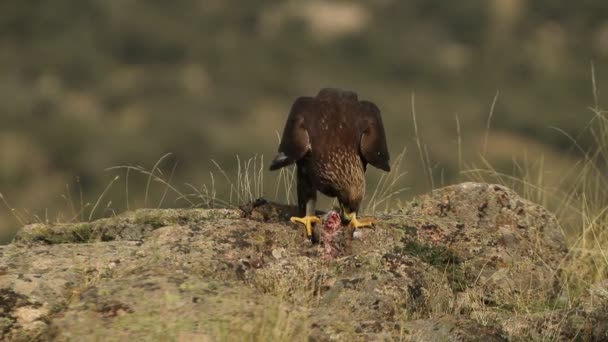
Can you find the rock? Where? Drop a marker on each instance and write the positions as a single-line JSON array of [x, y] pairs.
[[131, 226], [452, 264], [278, 253], [27, 315], [22, 318], [495, 242]]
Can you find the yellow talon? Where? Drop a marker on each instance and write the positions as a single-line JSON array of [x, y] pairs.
[[307, 221], [364, 223], [352, 217]]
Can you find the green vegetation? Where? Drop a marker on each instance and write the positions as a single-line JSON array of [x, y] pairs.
[[439, 257]]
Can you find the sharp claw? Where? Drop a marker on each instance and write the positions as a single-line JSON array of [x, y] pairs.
[[370, 222], [307, 221], [351, 218]]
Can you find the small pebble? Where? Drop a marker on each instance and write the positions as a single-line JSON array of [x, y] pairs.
[[278, 253]]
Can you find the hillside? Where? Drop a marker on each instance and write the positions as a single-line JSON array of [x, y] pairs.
[[466, 262], [90, 85]]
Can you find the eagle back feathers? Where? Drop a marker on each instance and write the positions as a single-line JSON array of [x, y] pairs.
[[334, 136]]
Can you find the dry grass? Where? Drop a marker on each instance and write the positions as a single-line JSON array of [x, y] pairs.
[[386, 191], [275, 322], [300, 281], [579, 198]]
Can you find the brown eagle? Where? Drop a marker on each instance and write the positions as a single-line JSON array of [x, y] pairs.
[[331, 138]]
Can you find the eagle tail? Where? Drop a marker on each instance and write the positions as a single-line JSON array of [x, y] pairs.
[[280, 161]]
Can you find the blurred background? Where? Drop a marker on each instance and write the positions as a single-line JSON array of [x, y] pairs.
[[88, 85]]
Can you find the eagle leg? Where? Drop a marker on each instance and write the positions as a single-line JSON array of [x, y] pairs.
[[307, 221], [307, 199]]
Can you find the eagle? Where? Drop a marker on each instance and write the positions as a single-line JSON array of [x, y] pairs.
[[331, 138]]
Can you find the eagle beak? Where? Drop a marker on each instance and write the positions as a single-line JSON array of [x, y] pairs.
[[351, 218], [346, 216]]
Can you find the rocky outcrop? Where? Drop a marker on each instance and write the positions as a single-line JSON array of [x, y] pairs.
[[455, 264]]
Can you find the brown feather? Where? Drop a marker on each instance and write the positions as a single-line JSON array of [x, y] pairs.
[[295, 141], [332, 137]]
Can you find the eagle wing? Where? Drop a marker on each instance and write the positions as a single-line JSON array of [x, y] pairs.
[[295, 142], [372, 146]]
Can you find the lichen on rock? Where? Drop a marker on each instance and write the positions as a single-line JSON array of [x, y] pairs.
[[451, 264]]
